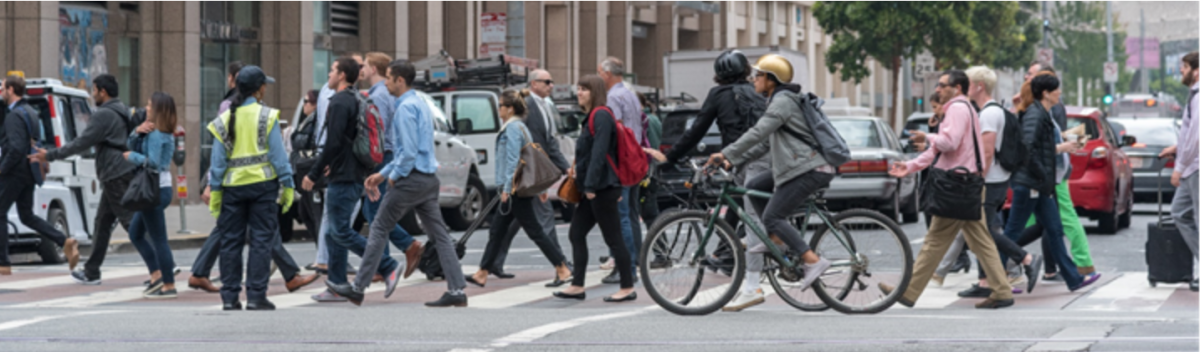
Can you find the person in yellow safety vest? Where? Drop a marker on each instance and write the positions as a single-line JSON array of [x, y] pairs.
[[249, 164]]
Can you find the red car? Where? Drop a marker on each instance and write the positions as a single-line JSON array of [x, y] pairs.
[[1101, 177]]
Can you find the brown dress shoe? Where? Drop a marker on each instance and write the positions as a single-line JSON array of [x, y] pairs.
[[71, 251], [5, 270], [300, 281], [412, 255], [203, 284]]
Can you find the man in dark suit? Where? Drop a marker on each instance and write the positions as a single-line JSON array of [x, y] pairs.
[[17, 181], [542, 121]]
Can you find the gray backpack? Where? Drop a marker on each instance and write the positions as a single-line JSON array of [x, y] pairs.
[[828, 141]]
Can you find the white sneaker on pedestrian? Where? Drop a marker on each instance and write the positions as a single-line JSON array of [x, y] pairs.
[[609, 265], [745, 300]]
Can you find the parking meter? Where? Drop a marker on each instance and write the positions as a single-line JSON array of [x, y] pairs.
[[180, 151]]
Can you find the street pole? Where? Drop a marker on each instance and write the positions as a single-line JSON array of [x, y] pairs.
[[183, 228], [1112, 87], [1142, 55], [1045, 33]]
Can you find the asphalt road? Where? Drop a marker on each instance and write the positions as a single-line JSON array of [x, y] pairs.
[[41, 310]]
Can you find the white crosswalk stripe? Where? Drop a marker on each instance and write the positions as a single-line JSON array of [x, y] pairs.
[[1130, 292], [526, 293], [65, 278]]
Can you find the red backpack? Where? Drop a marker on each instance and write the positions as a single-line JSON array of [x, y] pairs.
[[631, 165], [368, 141]]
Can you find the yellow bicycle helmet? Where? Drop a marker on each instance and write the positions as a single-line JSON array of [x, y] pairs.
[[775, 65]]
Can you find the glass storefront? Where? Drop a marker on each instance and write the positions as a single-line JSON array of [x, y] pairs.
[[229, 32]]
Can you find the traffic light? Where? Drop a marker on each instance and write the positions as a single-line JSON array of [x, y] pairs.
[[1108, 97]]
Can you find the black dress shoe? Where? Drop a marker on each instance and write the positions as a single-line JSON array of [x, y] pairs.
[[346, 290], [557, 282], [579, 296], [612, 278], [260, 305], [502, 274], [961, 265], [629, 297], [1031, 271], [976, 292], [449, 300], [235, 305], [472, 280]]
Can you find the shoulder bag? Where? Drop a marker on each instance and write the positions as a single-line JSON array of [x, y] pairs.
[[956, 193], [142, 194], [535, 172]]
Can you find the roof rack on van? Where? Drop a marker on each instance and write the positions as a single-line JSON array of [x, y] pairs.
[[443, 71]]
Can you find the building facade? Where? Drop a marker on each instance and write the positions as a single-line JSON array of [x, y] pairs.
[[182, 48]]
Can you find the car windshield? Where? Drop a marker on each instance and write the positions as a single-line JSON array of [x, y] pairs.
[[1159, 132], [917, 125], [1090, 126], [858, 133]]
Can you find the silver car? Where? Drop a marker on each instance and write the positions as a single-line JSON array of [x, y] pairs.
[[863, 182]]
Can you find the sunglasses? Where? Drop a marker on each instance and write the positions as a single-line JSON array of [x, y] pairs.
[[942, 85], [545, 81]]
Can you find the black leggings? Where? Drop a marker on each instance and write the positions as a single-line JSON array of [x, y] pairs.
[[787, 198], [600, 211], [522, 211]]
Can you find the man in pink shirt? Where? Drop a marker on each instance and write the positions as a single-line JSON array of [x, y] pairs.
[[957, 140]]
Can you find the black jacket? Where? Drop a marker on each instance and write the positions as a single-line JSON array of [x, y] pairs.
[[15, 142], [592, 152], [338, 155], [107, 131], [723, 106], [535, 121], [1037, 133]]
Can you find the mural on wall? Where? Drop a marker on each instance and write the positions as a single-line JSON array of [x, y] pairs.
[[82, 53]]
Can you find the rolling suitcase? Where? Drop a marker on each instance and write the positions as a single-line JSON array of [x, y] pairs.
[[429, 263], [1167, 257]]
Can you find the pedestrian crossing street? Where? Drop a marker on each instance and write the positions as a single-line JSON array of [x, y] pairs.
[[51, 287]]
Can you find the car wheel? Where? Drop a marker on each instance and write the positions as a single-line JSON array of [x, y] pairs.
[[50, 252], [1109, 221], [1126, 217], [461, 217]]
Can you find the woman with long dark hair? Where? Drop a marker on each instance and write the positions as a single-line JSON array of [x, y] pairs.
[[1033, 185], [513, 136], [153, 145], [602, 190]]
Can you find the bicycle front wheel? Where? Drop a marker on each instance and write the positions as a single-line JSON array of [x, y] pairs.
[[786, 283], [868, 251], [672, 264]]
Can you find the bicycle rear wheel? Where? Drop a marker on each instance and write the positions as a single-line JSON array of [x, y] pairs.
[[876, 252], [682, 285]]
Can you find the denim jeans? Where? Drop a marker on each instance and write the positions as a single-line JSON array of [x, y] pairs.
[[399, 237], [631, 228], [339, 210], [155, 250], [1045, 206]]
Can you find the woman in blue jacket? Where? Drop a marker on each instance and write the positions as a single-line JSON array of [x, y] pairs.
[[153, 145], [513, 136]]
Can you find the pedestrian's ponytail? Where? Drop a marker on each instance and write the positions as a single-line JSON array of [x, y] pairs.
[[234, 102]]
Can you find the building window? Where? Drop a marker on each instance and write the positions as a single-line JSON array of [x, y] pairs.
[[229, 32], [343, 16], [515, 31], [322, 43], [127, 69]]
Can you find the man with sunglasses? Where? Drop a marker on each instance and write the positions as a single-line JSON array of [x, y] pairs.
[[542, 121]]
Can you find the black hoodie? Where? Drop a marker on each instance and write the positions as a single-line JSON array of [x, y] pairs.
[[727, 104]]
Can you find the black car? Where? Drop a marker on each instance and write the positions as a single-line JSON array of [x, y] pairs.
[[671, 177], [1149, 136]]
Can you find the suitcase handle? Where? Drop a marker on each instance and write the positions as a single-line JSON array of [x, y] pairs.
[[1158, 182]]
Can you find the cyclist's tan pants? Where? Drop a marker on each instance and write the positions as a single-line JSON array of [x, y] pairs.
[[941, 234]]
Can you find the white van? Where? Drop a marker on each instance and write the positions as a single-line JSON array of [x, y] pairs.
[[71, 194]]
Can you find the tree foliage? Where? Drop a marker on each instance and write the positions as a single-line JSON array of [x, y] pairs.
[[1080, 45], [1017, 41], [887, 31]]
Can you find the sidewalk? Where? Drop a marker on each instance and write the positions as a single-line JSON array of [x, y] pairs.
[[199, 221]]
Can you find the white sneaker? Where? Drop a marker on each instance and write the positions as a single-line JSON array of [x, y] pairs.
[[745, 300], [609, 265]]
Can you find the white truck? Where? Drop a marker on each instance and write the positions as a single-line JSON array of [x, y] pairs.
[[691, 71], [70, 196]]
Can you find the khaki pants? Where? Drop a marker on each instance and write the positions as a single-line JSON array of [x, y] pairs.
[[941, 234]]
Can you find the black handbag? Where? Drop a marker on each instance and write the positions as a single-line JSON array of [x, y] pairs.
[[956, 193], [143, 191]]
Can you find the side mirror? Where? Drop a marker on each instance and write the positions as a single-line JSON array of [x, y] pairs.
[[464, 126], [1128, 140]]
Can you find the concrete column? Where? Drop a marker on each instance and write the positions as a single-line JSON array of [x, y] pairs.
[[619, 28], [709, 31], [287, 52], [557, 53], [456, 29], [666, 33], [170, 58], [435, 39], [382, 28], [30, 37], [590, 30], [601, 28], [534, 31]]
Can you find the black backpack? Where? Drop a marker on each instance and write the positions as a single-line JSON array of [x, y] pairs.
[[1013, 153], [750, 107]]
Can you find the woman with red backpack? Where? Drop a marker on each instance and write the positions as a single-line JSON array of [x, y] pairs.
[[598, 180]]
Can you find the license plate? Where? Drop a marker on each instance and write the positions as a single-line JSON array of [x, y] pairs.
[[1137, 163]]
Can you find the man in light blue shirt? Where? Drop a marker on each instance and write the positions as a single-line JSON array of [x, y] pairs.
[[627, 109], [374, 67], [413, 185]]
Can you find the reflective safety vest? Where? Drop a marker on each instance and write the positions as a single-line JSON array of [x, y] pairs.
[[248, 162]]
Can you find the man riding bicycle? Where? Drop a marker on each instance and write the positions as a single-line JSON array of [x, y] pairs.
[[798, 170]]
